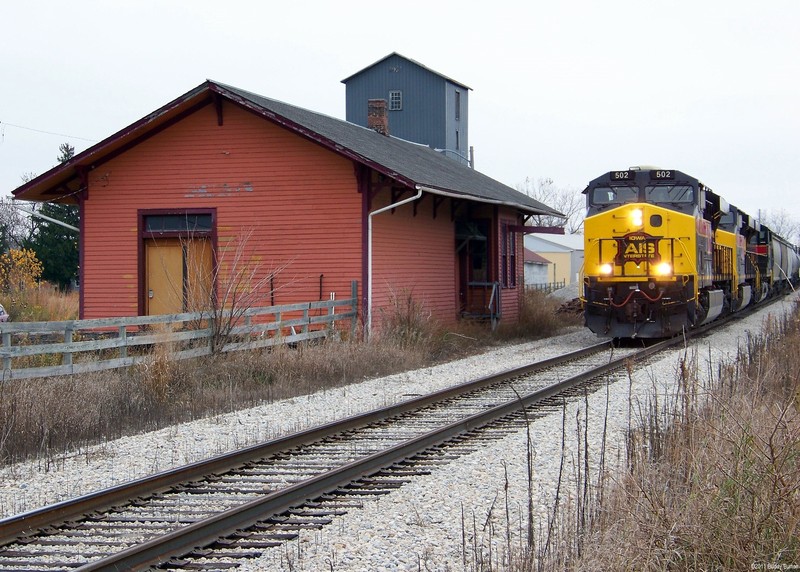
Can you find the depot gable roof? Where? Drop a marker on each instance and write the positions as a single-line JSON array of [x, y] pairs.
[[416, 166]]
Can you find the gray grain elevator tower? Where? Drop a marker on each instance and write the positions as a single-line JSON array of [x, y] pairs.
[[423, 106]]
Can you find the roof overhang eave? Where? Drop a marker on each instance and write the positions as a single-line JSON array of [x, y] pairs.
[[464, 196], [67, 176]]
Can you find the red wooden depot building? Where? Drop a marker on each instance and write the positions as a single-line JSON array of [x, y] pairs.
[[221, 179]]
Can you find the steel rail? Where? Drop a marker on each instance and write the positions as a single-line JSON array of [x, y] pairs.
[[197, 535], [12, 528], [26, 526]]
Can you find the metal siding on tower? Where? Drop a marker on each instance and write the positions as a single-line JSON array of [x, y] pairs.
[[423, 117], [457, 125]]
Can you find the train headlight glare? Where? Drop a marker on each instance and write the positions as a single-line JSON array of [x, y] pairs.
[[664, 269], [637, 217], [606, 269]]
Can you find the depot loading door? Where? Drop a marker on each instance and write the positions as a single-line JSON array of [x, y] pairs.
[[178, 262], [179, 275], [473, 248]]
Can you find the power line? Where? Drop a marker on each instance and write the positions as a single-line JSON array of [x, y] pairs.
[[2, 123]]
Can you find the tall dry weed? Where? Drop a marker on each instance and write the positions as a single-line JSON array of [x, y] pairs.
[[407, 321], [713, 481], [41, 303], [539, 317], [158, 372]]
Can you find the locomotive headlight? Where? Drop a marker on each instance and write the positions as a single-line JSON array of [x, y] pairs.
[[637, 217], [663, 269], [606, 269]]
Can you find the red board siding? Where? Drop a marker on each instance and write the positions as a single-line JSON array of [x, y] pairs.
[[415, 255], [291, 203]]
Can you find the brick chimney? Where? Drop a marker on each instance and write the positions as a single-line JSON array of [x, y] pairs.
[[376, 116]]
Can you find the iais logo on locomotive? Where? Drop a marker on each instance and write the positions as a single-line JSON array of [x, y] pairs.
[[637, 247]]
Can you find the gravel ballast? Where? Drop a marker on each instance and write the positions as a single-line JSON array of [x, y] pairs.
[[427, 524]]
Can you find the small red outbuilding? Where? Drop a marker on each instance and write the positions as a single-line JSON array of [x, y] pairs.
[[222, 186]]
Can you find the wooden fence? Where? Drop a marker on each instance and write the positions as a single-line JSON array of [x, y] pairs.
[[548, 287], [108, 343]]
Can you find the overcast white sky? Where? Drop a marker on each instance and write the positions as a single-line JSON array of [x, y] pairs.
[[561, 89]]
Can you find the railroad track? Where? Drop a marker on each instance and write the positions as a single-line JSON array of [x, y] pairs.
[[212, 513]]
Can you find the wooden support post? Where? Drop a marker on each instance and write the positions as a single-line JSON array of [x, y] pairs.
[[123, 336], [7, 344], [354, 307], [66, 357]]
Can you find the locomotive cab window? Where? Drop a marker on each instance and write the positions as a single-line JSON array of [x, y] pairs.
[[670, 194], [602, 196]]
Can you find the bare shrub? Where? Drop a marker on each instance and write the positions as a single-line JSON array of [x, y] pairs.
[[407, 321], [713, 481], [539, 318]]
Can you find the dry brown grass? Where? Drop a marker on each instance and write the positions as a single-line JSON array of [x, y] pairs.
[[712, 479], [713, 476], [48, 417], [539, 318], [43, 303]]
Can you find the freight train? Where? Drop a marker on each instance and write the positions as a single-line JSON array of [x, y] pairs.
[[663, 254]]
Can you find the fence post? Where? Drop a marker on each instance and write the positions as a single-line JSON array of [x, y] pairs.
[[7, 344], [66, 357], [305, 318], [211, 335], [353, 307], [123, 336]]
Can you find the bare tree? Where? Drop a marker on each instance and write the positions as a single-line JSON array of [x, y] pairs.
[[566, 200], [235, 282], [782, 223], [16, 228]]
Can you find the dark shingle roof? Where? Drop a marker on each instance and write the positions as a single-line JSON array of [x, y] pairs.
[[414, 164]]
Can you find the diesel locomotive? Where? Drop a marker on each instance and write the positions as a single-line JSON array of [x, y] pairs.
[[663, 253]]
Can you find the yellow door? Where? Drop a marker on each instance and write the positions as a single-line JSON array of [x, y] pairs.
[[179, 275], [199, 268], [164, 276]]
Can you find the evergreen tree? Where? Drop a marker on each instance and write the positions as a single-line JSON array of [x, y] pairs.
[[55, 246]]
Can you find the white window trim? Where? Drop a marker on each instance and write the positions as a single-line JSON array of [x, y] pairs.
[[395, 100]]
